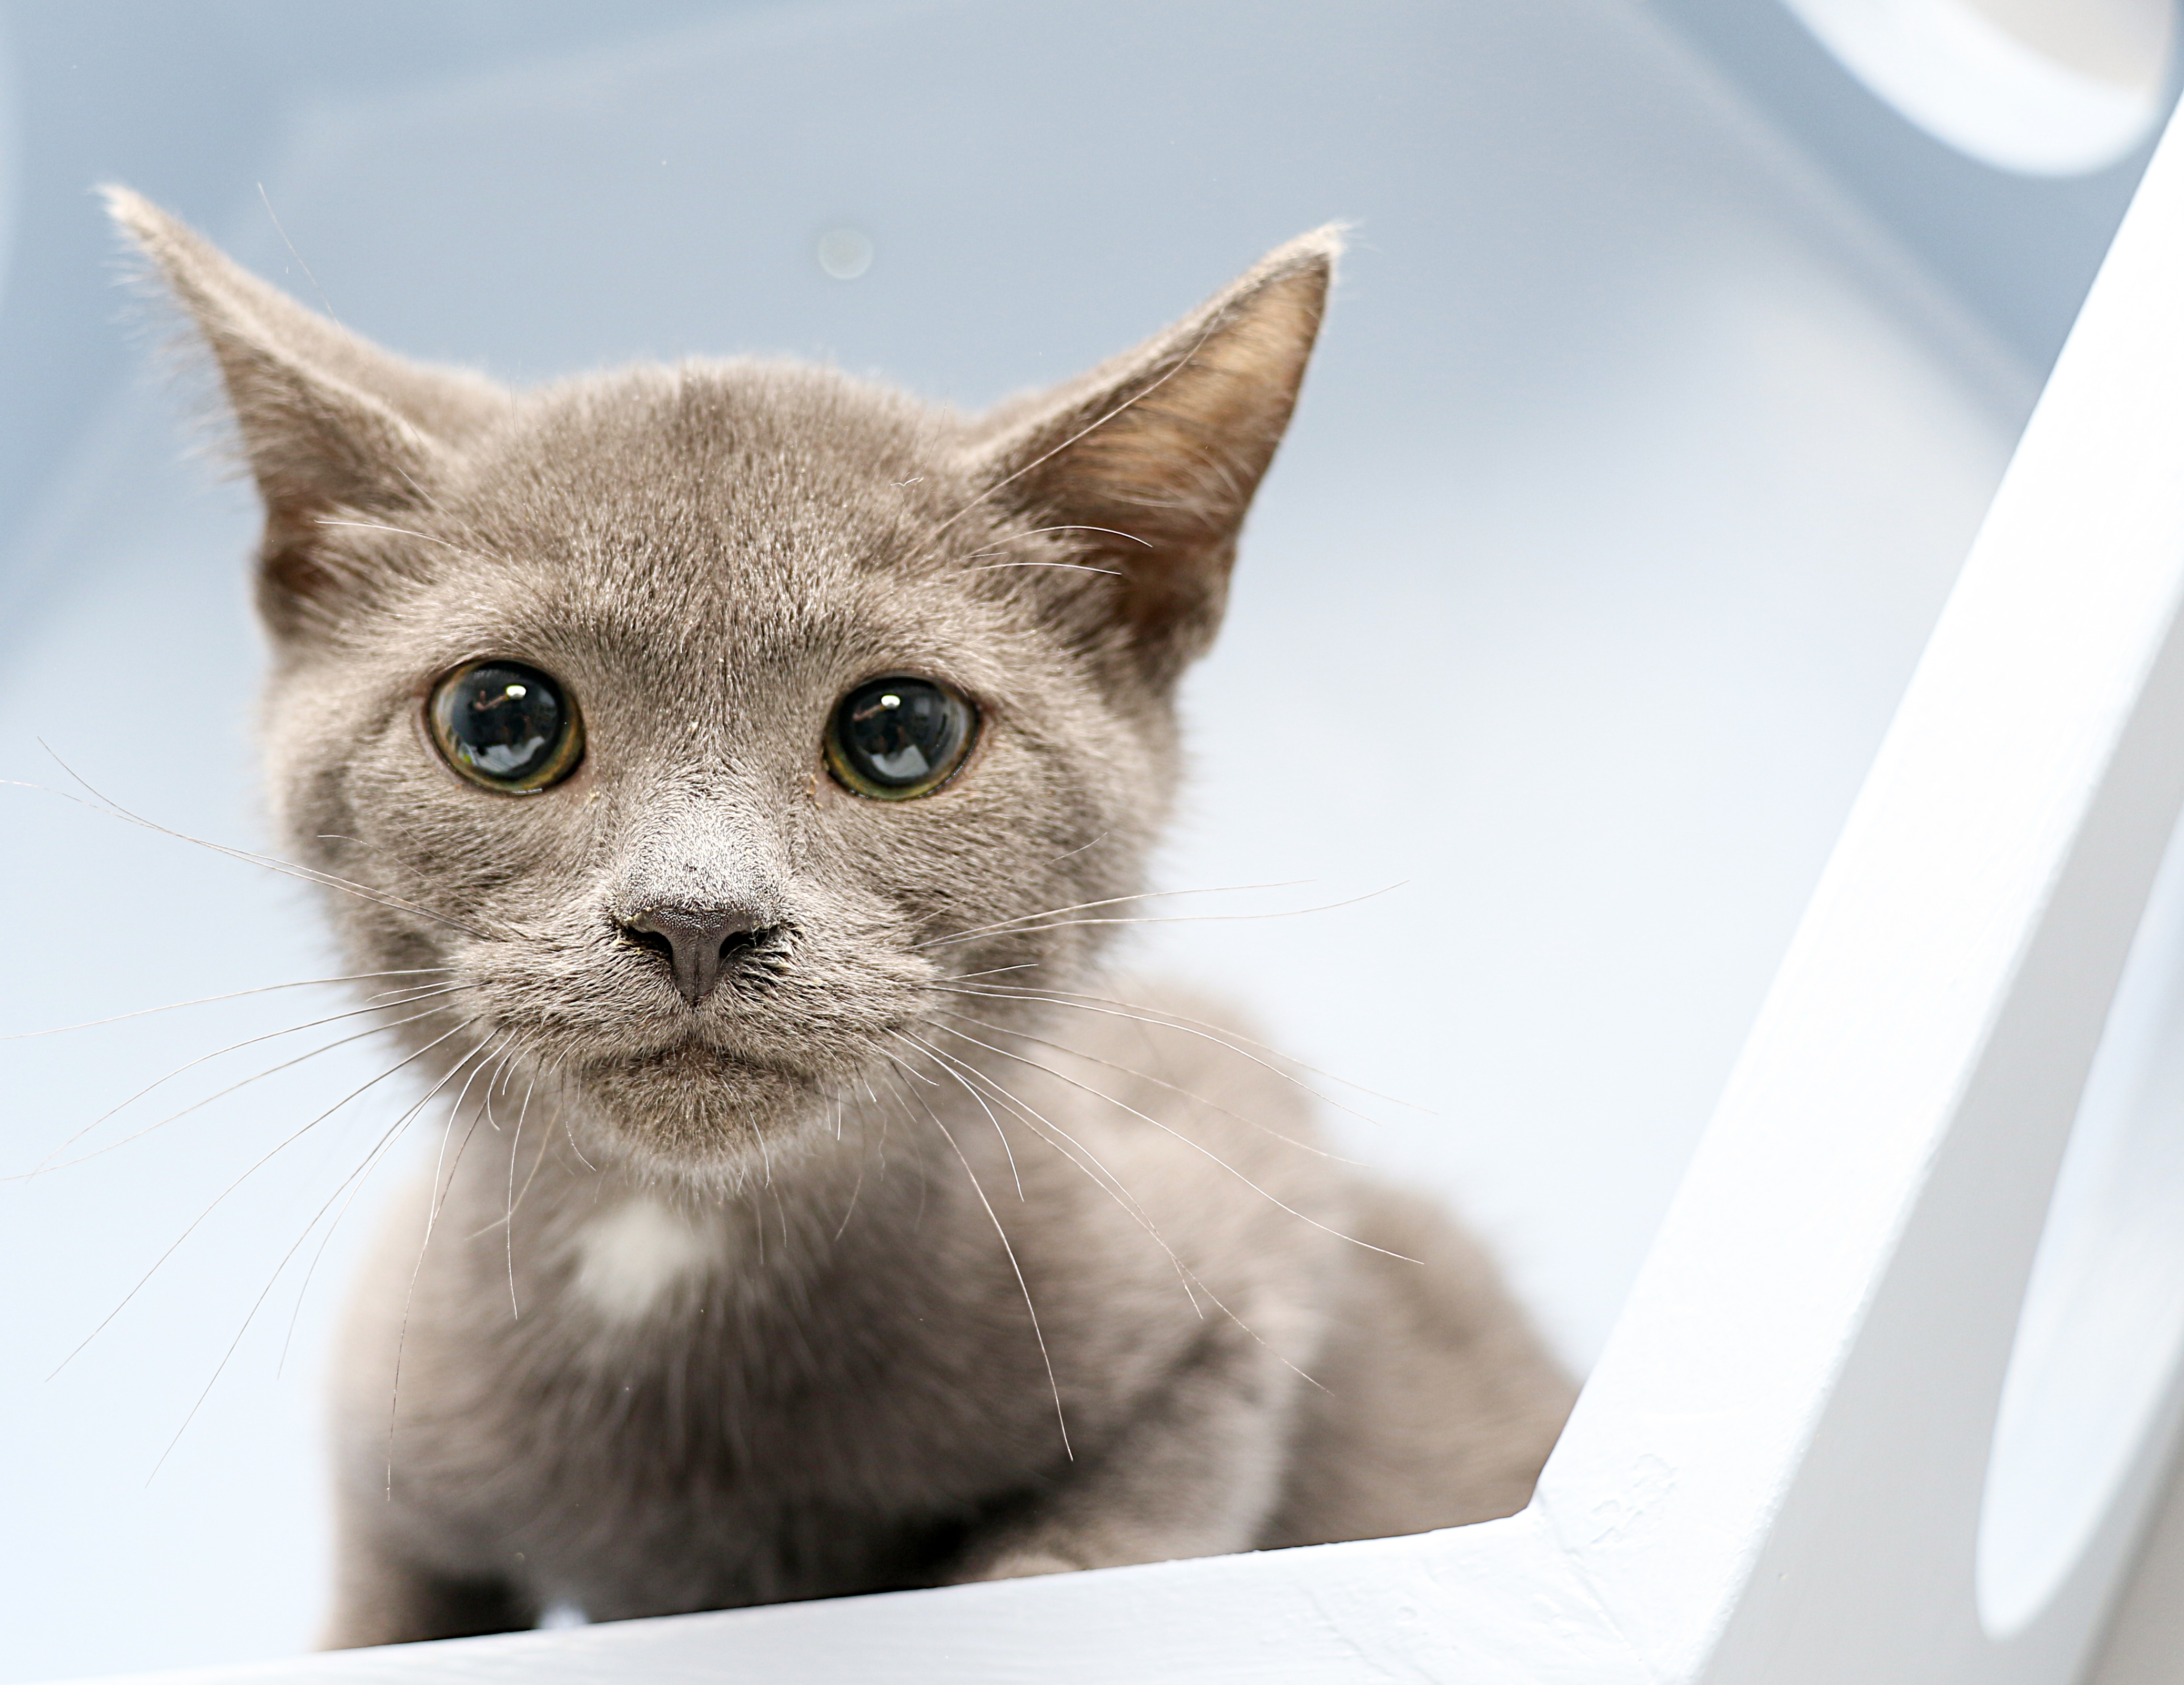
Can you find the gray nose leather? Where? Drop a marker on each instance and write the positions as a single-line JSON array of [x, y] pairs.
[[697, 943]]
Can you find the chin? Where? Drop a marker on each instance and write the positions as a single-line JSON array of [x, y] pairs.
[[700, 1116]]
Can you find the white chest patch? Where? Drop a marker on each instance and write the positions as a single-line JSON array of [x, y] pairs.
[[630, 1259]]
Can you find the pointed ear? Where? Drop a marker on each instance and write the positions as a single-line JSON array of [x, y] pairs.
[[1152, 458], [327, 420]]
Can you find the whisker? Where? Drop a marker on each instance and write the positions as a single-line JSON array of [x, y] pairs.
[[1080, 849], [1203, 1152], [1191, 1027], [999, 1133], [113, 809], [1110, 901], [538, 1159], [1007, 480], [197, 1222], [574, 1148], [1193, 1283], [917, 1145], [1034, 531], [537, 1162], [1095, 1171], [278, 1269], [1067, 567], [359, 1179], [1173, 919], [843, 1227], [46, 1166], [1147, 1076], [210, 999], [1055, 1386], [355, 1182], [880, 1112], [401, 531], [440, 1195], [431, 1219], [507, 1218]]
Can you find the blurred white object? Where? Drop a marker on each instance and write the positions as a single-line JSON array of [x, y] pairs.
[[1664, 393], [2050, 87]]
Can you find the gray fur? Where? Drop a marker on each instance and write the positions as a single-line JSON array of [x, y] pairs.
[[751, 1330]]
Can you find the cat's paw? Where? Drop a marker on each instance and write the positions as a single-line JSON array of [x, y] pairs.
[[1014, 1564]]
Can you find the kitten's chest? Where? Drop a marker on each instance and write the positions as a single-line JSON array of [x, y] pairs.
[[675, 1419]]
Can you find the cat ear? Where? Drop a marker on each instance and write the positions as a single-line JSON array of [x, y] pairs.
[[327, 419], [1153, 457]]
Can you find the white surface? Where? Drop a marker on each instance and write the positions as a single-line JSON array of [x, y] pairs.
[[2006, 97], [1633, 475], [2098, 1339], [1775, 1472]]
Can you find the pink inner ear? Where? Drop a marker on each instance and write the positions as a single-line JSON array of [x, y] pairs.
[[1152, 459]]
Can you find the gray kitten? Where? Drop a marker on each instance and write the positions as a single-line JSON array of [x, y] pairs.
[[764, 759]]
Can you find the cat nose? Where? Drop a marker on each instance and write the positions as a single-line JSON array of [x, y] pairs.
[[697, 943]]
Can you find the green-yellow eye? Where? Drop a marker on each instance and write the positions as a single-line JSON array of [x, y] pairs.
[[506, 726], [899, 738]]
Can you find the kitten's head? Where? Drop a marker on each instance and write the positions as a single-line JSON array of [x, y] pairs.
[[707, 720]]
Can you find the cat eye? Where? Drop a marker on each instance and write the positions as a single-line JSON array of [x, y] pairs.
[[899, 738], [506, 726]]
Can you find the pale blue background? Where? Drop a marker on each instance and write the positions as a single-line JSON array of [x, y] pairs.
[[1647, 434]]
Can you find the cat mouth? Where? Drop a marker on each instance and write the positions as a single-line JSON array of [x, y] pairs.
[[695, 1058]]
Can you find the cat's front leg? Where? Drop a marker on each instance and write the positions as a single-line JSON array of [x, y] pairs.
[[1194, 1473], [383, 1595]]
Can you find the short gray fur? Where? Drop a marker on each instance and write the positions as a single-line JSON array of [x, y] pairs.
[[921, 1249]]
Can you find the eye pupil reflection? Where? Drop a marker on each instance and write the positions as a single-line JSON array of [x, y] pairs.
[[507, 725], [899, 737]]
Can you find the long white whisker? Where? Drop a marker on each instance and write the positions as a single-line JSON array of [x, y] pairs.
[[537, 1162], [1152, 387], [113, 809], [211, 999], [199, 1220], [1164, 1128], [1147, 1076], [358, 1178], [355, 1182], [1066, 567], [279, 1269], [46, 1166], [1089, 1164], [508, 1221], [439, 1193], [432, 1216], [843, 1227], [1060, 1416], [1193, 1283], [401, 531], [1233, 1038], [1109, 901], [1034, 531], [1204, 1032], [1002, 1135], [1172, 918]]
